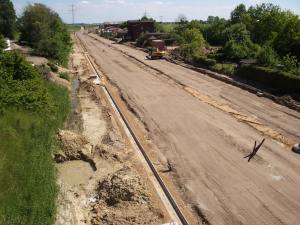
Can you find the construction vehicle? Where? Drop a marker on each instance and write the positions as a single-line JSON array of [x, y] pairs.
[[157, 49]]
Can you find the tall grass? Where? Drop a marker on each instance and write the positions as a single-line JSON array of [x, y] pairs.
[[27, 173]]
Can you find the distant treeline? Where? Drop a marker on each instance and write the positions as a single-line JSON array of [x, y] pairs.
[[264, 35]]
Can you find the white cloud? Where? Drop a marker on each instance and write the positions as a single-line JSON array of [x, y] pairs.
[[84, 2], [117, 2], [158, 2]]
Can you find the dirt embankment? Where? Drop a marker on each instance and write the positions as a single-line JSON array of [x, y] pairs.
[[99, 180]]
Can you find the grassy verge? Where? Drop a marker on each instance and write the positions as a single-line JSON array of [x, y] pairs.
[[73, 28], [27, 174], [64, 75], [282, 81]]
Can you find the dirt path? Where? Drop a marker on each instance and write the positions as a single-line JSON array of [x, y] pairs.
[[206, 145], [100, 177]]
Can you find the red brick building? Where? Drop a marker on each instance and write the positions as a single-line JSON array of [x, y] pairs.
[[137, 27]]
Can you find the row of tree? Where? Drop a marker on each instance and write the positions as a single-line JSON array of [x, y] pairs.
[[39, 27], [264, 32]]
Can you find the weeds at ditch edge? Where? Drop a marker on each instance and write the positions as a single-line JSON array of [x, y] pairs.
[[28, 178]]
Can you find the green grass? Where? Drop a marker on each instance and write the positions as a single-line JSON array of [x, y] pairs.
[[27, 173], [166, 27], [224, 68], [64, 75], [73, 28]]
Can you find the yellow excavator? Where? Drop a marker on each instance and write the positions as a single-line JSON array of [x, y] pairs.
[[155, 53], [157, 49]]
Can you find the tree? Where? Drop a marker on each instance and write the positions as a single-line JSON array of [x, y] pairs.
[[44, 30], [181, 19], [267, 18], [267, 56], [237, 32], [2, 43], [213, 30], [193, 43], [288, 40], [7, 18], [236, 51], [146, 18], [238, 14], [193, 35], [195, 24]]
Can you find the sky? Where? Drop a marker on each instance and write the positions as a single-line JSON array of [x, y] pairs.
[[96, 11]]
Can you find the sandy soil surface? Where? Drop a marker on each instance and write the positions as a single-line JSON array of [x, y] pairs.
[[205, 143], [101, 180]]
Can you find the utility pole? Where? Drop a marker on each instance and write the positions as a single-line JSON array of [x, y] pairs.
[[73, 17], [161, 19]]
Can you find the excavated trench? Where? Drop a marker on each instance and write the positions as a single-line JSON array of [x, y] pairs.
[[95, 161]]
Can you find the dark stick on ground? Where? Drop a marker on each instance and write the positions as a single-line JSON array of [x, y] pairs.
[[170, 167], [255, 149]]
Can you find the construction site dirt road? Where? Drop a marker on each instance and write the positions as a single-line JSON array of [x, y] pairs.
[[204, 127]]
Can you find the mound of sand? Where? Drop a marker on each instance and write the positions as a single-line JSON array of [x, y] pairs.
[[122, 186], [73, 147], [124, 200]]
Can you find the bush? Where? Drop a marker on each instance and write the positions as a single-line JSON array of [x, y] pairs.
[[193, 35], [2, 43], [224, 68], [44, 70], [174, 39], [27, 176], [291, 64], [22, 86], [53, 67], [272, 78], [64, 75], [236, 51], [219, 55], [142, 41], [237, 32], [192, 44], [204, 60], [31, 110], [187, 51], [267, 57]]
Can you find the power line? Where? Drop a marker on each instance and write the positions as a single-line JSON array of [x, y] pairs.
[[73, 13]]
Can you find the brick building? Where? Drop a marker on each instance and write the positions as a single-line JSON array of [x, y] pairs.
[[137, 27]]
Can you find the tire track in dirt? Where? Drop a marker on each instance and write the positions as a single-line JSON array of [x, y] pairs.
[[262, 128]]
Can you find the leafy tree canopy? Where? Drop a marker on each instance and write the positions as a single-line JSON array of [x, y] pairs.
[[2, 43], [7, 18], [193, 35], [237, 32], [238, 14], [43, 29]]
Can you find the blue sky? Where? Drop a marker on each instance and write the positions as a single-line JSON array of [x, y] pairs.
[[94, 11]]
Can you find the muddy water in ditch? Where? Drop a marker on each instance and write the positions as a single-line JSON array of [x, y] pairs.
[[75, 172], [75, 120]]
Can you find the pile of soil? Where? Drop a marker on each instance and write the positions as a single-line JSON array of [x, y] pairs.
[[131, 215], [124, 200], [73, 147], [124, 185]]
